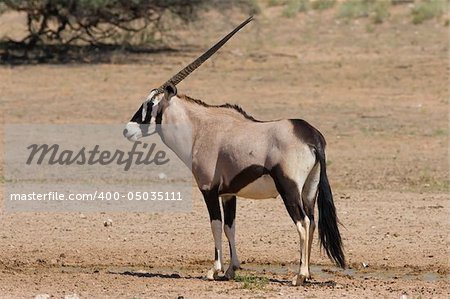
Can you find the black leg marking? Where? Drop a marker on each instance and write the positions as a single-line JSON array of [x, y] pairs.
[[229, 210], [290, 194], [213, 204], [216, 254]]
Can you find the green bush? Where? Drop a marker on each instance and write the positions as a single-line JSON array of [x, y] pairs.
[[276, 2], [295, 6], [252, 282], [378, 11], [429, 9], [322, 4]]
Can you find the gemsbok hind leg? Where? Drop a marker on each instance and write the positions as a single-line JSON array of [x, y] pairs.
[[229, 212], [290, 190], [212, 202], [309, 196]]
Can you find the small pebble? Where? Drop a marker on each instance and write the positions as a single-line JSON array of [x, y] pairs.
[[107, 222]]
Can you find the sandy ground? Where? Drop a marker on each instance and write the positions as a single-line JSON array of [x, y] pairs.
[[378, 93]]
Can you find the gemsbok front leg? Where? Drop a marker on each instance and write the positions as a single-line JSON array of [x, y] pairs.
[[229, 212], [212, 202]]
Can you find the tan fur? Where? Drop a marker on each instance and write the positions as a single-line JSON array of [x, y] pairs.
[[226, 140]]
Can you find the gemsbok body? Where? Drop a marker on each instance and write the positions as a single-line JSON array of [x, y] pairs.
[[234, 154]]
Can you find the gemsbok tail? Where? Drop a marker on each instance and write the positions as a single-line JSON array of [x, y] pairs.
[[329, 235]]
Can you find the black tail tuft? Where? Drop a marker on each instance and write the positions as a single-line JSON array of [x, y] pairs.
[[329, 235]]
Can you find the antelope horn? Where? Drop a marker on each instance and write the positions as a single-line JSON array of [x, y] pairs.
[[196, 63]]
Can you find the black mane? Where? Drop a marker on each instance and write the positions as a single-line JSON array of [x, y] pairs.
[[226, 105]]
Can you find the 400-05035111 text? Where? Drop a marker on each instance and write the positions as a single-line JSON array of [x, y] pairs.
[[98, 195]]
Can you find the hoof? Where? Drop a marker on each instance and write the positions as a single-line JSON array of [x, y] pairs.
[[298, 280], [212, 274], [230, 274]]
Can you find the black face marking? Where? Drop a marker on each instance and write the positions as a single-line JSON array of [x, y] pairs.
[[144, 125], [243, 178], [159, 117], [137, 117], [161, 107]]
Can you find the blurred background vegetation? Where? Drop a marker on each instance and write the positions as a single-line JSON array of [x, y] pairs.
[[98, 22], [55, 27], [377, 10]]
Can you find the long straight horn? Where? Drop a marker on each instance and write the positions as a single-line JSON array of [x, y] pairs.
[[196, 63]]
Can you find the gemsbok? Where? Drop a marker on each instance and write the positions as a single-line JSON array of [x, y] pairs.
[[233, 154]]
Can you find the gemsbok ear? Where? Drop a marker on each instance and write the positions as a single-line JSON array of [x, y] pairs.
[[169, 91]]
